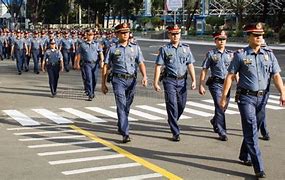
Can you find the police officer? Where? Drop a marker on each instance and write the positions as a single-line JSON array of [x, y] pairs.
[[53, 63], [35, 50], [27, 56], [18, 46], [66, 46], [218, 60], [176, 59], [123, 58], [88, 53], [256, 66]]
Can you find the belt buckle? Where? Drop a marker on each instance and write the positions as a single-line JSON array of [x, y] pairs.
[[260, 93]]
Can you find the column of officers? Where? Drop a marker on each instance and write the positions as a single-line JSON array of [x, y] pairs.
[[120, 59]]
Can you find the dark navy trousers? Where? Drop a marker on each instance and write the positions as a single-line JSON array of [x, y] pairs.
[[36, 59], [175, 94], [216, 90], [66, 58], [124, 91], [53, 75], [90, 70], [250, 108], [19, 55]]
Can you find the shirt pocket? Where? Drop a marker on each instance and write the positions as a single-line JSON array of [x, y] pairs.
[[183, 59]]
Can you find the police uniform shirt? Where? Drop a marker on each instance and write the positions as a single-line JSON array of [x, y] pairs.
[[174, 59], [52, 56], [2, 40], [28, 42], [89, 51], [254, 69], [218, 62], [35, 43], [19, 43], [66, 43], [124, 60]]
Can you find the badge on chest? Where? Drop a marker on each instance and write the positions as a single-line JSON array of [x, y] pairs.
[[247, 61], [215, 58], [117, 52], [266, 57]]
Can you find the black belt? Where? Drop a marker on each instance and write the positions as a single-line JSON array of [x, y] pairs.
[[217, 79], [125, 76], [252, 93], [176, 77]]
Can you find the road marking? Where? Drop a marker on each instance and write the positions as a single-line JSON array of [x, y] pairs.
[[52, 116], [37, 127], [43, 132], [139, 177], [193, 111], [273, 101], [129, 155], [60, 144], [142, 114], [204, 106], [21, 118], [73, 151], [159, 111], [83, 115], [67, 161], [107, 113], [274, 97], [229, 105], [101, 168], [51, 138]]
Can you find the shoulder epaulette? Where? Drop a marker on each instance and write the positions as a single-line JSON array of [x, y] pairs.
[[267, 49], [240, 51], [183, 44], [133, 43]]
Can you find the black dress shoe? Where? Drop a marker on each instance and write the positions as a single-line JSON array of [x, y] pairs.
[[223, 138], [246, 163], [261, 174], [126, 139], [19, 73], [266, 137], [89, 98], [176, 138]]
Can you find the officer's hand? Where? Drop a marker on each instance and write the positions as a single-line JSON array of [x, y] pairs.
[[156, 87], [104, 88], [282, 100], [61, 70], [202, 90], [223, 103], [193, 85], [76, 66], [144, 81], [43, 70], [101, 64]]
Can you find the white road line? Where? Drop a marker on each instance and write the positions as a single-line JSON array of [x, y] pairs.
[[52, 116], [139, 177], [107, 113], [37, 127], [212, 102], [101, 168], [159, 111], [273, 101], [51, 138], [83, 115], [274, 96], [193, 111], [268, 106], [142, 114], [43, 132], [67, 161], [73, 151], [21, 118], [60, 144], [204, 106]]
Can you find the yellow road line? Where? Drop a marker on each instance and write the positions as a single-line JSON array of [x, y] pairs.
[[129, 155]]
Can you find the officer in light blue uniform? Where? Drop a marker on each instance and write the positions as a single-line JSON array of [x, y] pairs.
[[176, 58], [123, 58], [18, 46], [35, 50], [217, 60], [66, 47], [28, 53], [256, 66], [88, 53], [53, 63]]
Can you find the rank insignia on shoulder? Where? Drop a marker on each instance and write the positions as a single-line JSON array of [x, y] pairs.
[[185, 45], [266, 57], [247, 61], [240, 50]]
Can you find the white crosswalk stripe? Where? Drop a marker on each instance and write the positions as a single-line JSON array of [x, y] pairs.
[[23, 119], [52, 116], [83, 115], [107, 113], [268, 106], [139, 177], [204, 106]]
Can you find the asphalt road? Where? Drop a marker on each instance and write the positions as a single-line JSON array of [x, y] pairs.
[[77, 139]]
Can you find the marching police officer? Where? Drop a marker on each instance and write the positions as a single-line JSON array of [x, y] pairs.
[[218, 60], [18, 46], [176, 59], [66, 46], [35, 50], [123, 58], [256, 66], [53, 62], [88, 53]]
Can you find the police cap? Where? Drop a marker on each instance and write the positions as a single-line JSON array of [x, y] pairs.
[[124, 27], [173, 29], [255, 28], [220, 34]]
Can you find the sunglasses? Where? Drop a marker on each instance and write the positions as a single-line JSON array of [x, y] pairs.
[[257, 35], [221, 39]]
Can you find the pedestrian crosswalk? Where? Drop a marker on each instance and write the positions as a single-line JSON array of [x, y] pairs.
[[156, 112]]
